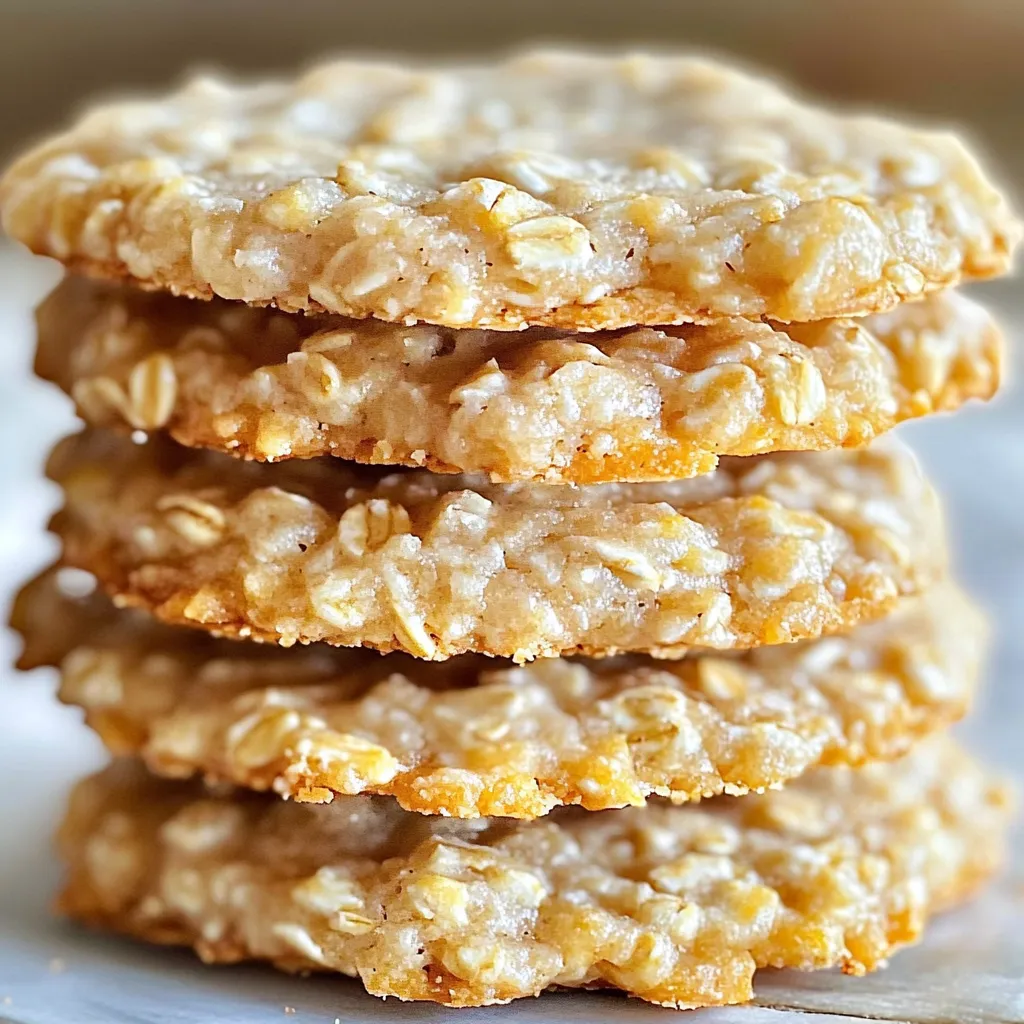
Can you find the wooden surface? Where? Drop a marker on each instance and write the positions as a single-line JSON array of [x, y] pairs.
[[970, 969]]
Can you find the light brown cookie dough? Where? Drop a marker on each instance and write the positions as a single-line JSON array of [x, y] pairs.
[[676, 905], [643, 404], [468, 737], [763, 550], [556, 189]]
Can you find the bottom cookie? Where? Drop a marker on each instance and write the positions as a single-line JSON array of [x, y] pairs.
[[676, 905]]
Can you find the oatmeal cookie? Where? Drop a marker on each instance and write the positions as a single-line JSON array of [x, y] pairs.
[[468, 737], [763, 550], [636, 405], [676, 905], [556, 189]]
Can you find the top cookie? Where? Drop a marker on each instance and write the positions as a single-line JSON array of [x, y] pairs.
[[553, 189]]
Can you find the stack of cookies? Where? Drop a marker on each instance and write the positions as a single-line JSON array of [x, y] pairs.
[[554, 381]]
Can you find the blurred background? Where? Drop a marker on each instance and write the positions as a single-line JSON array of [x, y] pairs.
[[958, 60]]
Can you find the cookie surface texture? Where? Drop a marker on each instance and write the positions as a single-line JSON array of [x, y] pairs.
[[553, 189]]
